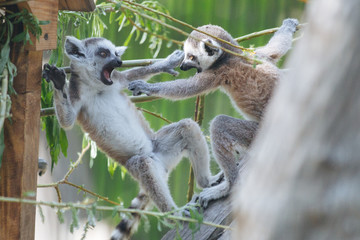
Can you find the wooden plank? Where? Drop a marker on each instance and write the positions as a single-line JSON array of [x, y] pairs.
[[218, 212], [45, 10], [18, 173], [78, 5]]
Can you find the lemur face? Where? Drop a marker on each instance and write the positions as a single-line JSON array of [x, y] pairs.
[[98, 57], [201, 56]]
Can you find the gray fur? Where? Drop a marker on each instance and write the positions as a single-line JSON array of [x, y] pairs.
[[118, 128], [249, 89]]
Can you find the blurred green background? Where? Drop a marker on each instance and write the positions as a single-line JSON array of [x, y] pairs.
[[238, 17]]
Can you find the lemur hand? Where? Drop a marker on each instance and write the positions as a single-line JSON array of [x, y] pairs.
[[290, 24], [138, 87], [54, 74], [171, 62]]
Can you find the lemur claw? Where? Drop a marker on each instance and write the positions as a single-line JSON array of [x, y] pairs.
[[54, 74]]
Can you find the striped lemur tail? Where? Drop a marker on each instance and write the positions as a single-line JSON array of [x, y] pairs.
[[128, 226]]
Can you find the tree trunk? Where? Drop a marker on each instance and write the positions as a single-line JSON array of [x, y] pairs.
[[303, 176]]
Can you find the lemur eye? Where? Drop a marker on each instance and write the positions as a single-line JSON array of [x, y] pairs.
[[103, 54], [192, 57]]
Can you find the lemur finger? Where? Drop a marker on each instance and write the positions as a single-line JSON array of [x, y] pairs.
[[173, 72]]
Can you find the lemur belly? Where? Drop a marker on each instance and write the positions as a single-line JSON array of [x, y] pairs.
[[112, 123]]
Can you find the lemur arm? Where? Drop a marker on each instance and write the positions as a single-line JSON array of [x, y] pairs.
[[200, 83], [281, 42], [144, 73], [65, 111]]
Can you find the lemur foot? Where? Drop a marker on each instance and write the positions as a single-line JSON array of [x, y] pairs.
[[172, 61], [42, 165], [54, 74], [213, 193], [290, 24]]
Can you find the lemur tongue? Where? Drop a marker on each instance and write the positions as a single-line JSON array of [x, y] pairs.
[[107, 74]]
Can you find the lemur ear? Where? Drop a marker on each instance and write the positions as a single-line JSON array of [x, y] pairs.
[[120, 50], [211, 50], [74, 48]]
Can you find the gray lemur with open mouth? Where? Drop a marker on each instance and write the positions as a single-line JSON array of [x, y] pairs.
[[94, 97], [248, 87]]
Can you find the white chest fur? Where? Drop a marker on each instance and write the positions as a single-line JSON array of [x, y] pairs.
[[114, 124]]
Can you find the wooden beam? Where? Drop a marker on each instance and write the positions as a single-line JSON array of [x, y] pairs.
[[18, 173], [45, 10], [218, 212], [78, 5]]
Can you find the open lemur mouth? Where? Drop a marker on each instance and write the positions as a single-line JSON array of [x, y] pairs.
[[105, 75], [107, 70]]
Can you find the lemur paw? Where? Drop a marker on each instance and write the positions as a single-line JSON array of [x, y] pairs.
[[291, 24], [217, 179], [54, 74], [173, 61], [138, 87]]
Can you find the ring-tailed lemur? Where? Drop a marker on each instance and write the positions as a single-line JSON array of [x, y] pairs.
[[95, 99], [249, 89]]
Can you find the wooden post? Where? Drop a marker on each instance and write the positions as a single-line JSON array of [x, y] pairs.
[[19, 169], [18, 173]]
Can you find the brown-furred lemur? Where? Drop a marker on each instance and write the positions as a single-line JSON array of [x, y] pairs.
[[96, 100], [248, 87]]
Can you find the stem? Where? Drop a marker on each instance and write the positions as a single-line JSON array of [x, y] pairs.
[[148, 32], [4, 88], [106, 208], [154, 114], [251, 60], [183, 23], [263, 32], [199, 115], [46, 112], [65, 180]]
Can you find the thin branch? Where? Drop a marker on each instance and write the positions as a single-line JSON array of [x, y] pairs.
[[151, 33], [46, 112], [65, 180], [4, 88], [263, 32], [154, 114], [184, 24], [251, 60], [106, 208]]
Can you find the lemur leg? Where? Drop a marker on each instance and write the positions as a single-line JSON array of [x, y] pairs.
[[128, 226], [184, 138], [144, 73], [281, 42], [152, 176], [65, 111], [230, 138]]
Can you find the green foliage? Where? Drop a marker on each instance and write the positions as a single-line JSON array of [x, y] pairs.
[[31, 25]]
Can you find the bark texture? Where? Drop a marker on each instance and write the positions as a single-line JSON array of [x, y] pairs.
[[303, 176]]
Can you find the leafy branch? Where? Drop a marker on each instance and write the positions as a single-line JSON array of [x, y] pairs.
[[118, 209]]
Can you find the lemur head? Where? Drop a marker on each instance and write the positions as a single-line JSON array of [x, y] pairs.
[[201, 56], [96, 58]]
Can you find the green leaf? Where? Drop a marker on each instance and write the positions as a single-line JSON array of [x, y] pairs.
[[43, 22], [19, 37], [60, 215], [63, 142], [111, 17], [75, 219], [41, 214], [29, 194]]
